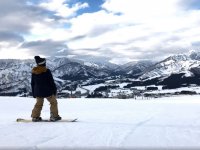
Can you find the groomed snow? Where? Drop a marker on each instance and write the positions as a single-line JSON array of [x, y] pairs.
[[162, 123]]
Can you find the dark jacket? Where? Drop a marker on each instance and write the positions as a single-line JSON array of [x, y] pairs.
[[42, 82]]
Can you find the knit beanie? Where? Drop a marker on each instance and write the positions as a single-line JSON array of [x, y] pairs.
[[39, 60]]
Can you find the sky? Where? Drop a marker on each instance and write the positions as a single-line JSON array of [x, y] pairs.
[[118, 31]]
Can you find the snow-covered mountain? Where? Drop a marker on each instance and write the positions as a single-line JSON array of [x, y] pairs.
[[15, 75], [133, 69], [74, 69], [173, 72], [176, 64], [137, 67]]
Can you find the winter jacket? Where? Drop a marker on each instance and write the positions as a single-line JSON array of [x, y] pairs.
[[42, 82]]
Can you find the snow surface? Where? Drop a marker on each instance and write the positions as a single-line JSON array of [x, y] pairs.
[[162, 123], [91, 88]]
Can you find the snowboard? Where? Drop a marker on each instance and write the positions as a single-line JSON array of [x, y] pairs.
[[46, 120]]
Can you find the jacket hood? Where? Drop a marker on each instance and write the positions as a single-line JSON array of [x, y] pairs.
[[39, 69]]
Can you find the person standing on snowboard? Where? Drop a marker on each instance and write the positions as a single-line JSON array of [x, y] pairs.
[[43, 86]]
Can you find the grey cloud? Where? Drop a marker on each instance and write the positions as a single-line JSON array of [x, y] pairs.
[[102, 29], [172, 39], [14, 16], [158, 52], [16, 19], [96, 31], [11, 37], [77, 38], [143, 38], [90, 49], [115, 43], [17, 16], [161, 52], [105, 54], [101, 59], [47, 48], [11, 6], [196, 44], [99, 30]]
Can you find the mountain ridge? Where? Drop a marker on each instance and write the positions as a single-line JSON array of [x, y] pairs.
[[15, 74]]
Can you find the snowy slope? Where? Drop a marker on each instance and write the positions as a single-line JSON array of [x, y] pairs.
[[172, 122]]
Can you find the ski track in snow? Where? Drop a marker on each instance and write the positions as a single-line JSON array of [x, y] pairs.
[[138, 125], [104, 123]]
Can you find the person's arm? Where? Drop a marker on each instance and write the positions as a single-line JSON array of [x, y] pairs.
[[32, 85], [52, 83]]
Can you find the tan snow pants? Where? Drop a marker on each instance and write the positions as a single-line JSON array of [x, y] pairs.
[[39, 104]]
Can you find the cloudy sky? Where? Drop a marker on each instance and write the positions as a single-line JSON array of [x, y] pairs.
[[118, 31]]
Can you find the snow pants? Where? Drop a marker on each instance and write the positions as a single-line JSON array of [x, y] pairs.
[[39, 104]]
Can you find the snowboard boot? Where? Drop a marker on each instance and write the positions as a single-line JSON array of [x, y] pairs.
[[55, 118], [36, 119]]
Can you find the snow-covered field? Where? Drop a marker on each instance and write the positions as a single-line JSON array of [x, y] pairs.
[[162, 123]]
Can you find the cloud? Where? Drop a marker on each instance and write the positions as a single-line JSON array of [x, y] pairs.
[[144, 29], [46, 48], [100, 59], [61, 8], [79, 37], [120, 31], [12, 17], [19, 23], [141, 11], [101, 29], [196, 45], [10, 37], [18, 16]]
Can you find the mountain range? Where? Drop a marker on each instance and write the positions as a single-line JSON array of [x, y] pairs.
[[15, 74]]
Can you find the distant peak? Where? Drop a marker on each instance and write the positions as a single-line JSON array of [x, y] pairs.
[[191, 52]]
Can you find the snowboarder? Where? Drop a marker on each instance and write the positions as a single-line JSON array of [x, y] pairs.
[[43, 86]]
